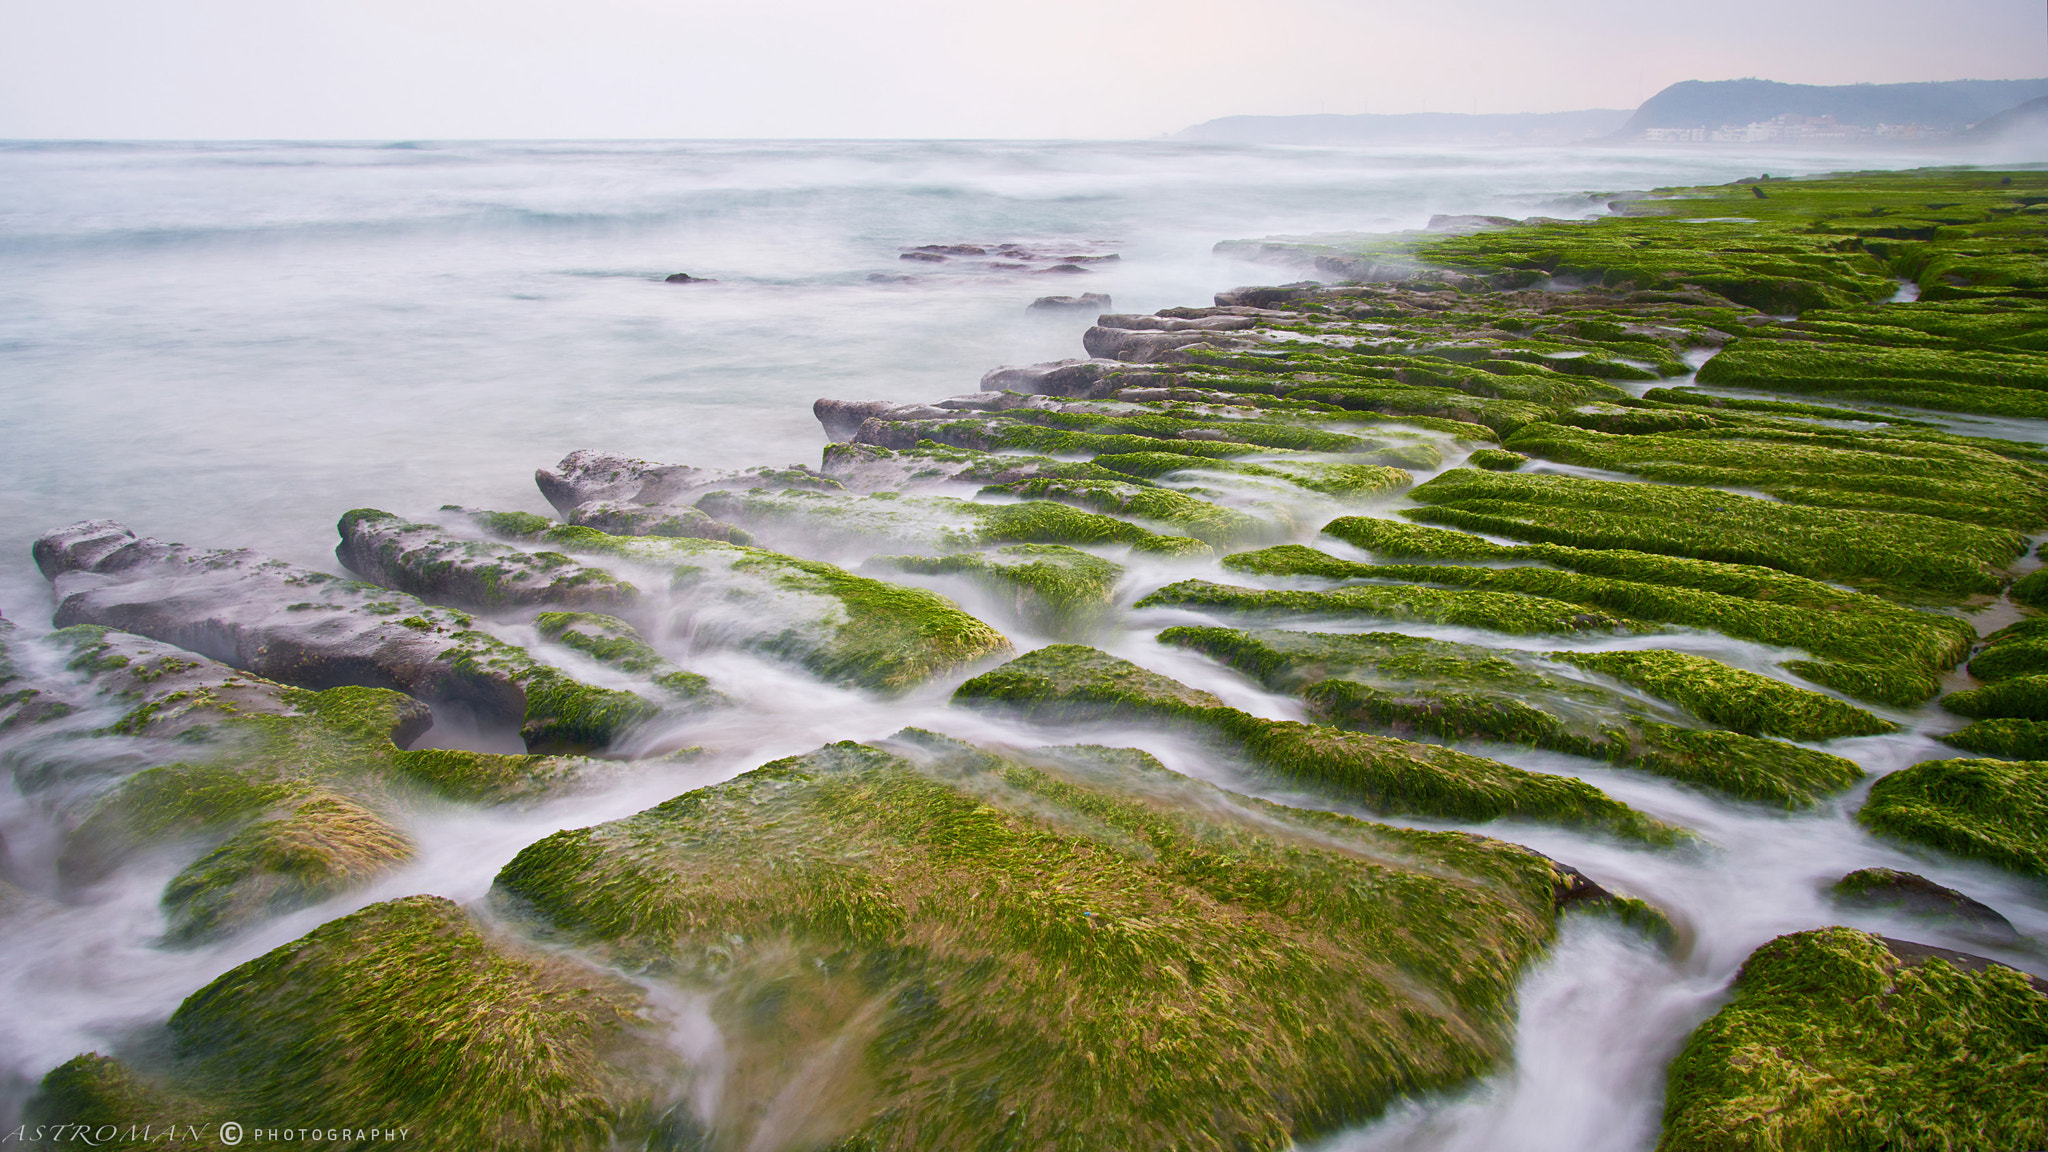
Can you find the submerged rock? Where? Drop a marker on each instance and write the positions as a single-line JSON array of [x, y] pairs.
[[1068, 682], [1888, 889], [1916, 1047], [985, 951], [1086, 302]]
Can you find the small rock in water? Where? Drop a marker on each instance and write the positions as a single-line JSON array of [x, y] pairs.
[[1443, 223], [1087, 301], [927, 257], [952, 249], [686, 278], [1066, 268], [1917, 895]]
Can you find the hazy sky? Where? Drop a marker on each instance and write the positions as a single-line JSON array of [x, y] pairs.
[[383, 69]]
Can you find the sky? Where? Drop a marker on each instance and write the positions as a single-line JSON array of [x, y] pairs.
[[476, 69]]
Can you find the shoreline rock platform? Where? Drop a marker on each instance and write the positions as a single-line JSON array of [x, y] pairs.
[[1466, 494]]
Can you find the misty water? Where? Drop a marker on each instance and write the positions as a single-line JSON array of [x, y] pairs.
[[230, 345]]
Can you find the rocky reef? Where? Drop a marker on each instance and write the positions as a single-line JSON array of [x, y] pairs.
[[1566, 531]]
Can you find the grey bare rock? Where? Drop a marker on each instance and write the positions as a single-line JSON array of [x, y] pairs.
[[1083, 379], [1086, 302], [1915, 895]]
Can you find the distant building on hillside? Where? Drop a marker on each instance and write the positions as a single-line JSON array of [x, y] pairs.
[[1790, 128]]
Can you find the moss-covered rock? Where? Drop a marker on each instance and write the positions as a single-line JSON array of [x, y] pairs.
[[436, 564], [846, 628], [1836, 1040], [1065, 948], [1907, 552], [2013, 698], [1434, 689], [1870, 648], [610, 640], [1051, 588], [1733, 698], [1990, 810], [2005, 739], [1067, 682], [807, 520], [325, 846], [1500, 612], [1178, 513], [1496, 459], [402, 1016], [1322, 477]]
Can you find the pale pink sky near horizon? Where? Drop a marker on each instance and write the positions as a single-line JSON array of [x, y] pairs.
[[470, 69]]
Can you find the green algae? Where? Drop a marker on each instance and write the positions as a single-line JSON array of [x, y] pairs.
[[2005, 739], [1912, 554], [1985, 383], [1744, 701], [1071, 948], [1401, 540], [1051, 588], [1341, 480], [1186, 515], [2023, 697], [1498, 611], [940, 523], [1990, 810], [1872, 649], [1412, 686], [610, 640], [846, 628], [1822, 468], [1064, 682], [1833, 1041], [400, 1016], [322, 848], [1496, 460]]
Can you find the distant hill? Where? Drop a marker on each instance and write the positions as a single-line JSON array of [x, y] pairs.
[[2027, 121], [1948, 105], [1412, 128]]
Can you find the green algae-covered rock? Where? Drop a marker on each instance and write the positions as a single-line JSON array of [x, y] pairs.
[[1837, 1039], [436, 564], [803, 520], [1069, 948], [1732, 697], [1496, 460], [2013, 698], [324, 847], [1067, 682], [1177, 512], [1990, 810], [1412, 686], [401, 1016], [1820, 467], [1053, 589], [1499, 611], [2006, 739], [1871, 648], [1329, 479], [610, 640], [846, 628], [1883, 549]]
